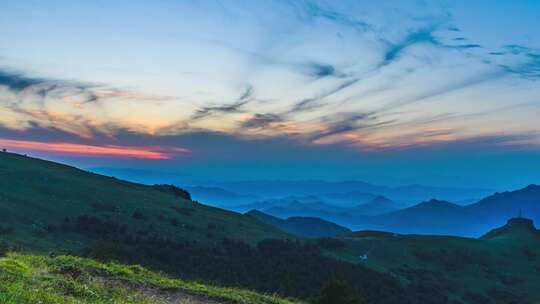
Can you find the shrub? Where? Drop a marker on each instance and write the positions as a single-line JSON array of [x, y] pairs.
[[38, 230], [103, 251], [4, 248], [6, 230], [330, 243], [336, 292], [237, 248], [183, 211], [50, 228], [104, 207], [138, 215], [94, 226]]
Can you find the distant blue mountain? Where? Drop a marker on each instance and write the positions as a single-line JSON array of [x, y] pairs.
[[349, 198], [378, 205], [430, 217], [312, 207], [441, 217], [347, 193], [216, 196], [409, 195], [265, 204], [300, 226], [297, 208]]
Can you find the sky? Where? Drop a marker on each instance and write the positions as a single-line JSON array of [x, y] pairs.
[[393, 92]]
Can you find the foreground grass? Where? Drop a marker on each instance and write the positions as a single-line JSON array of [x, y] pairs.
[[68, 279]]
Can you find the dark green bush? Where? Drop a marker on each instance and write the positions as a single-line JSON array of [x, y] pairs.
[[337, 292], [104, 251], [104, 207], [4, 229], [138, 215], [4, 248]]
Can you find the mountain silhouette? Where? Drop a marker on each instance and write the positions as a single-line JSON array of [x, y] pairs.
[[300, 226], [516, 228], [377, 205], [446, 218]]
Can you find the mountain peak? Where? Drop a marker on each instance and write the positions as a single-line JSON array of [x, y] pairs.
[[379, 199], [515, 227], [438, 203], [520, 222], [532, 187], [525, 199], [257, 214]]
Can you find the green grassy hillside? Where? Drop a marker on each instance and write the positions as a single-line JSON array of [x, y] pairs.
[[501, 267], [52, 209], [48, 208], [37, 197], [66, 279]]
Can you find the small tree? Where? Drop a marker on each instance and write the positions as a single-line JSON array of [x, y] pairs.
[[103, 251], [138, 215], [337, 292], [4, 248]]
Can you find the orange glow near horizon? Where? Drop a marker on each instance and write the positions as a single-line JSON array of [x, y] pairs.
[[156, 153]]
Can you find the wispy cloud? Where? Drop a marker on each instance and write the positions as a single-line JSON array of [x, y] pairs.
[[261, 121], [423, 141], [419, 36], [39, 90], [327, 59], [317, 10], [440, 91], [233, 107], [23, 86], [17, 82], [318, 70], [529, 68], [317, 101], [70, 149], [349, 122]]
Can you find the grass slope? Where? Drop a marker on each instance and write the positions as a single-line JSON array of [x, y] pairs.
[[47, 207], [37, 195], [67, 279], [501, 267]]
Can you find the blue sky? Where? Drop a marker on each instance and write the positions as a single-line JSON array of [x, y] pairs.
[[437, 92]]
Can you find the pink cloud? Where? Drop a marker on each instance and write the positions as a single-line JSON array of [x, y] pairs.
[[154, 152]]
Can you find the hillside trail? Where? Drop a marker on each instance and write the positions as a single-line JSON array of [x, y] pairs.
[[177, 296], [167, 296]]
